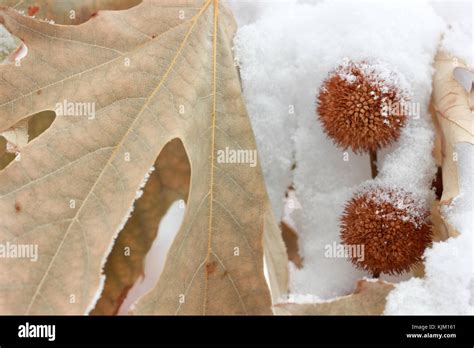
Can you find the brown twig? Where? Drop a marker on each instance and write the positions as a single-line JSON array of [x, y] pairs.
[[373, 163]]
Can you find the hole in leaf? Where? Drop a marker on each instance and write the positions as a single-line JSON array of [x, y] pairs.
[[156, 256], [39, 123], [12, 49], [167, 185], [466, 79], [5, 157], [31, 128]]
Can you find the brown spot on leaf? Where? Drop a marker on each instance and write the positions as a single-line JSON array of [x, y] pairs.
[[211, 268], [32, 10]]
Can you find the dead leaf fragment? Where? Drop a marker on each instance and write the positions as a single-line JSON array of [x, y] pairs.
[[454, 113], [68, 11], [369, 298]]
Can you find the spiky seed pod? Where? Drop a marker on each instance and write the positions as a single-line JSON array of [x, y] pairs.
[[393, 227], [355, 104]]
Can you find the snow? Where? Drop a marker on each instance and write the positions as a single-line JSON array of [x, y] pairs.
[[448, 287], [156, 256], [460, 213], [284, 57], [7, 43], [378, 74], [458, 38]]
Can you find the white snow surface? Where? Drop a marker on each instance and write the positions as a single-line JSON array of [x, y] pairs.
[[448, 286], [458, 15]]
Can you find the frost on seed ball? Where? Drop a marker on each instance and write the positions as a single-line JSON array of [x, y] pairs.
[[361, 106], [391, 224]]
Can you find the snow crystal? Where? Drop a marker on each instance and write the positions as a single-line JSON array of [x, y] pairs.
[[285, 56]]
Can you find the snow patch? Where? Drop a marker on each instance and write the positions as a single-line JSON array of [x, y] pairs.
[[448, 287]]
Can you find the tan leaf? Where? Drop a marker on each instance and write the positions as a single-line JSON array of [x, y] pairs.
[[60, 10], [153, 75], [454, 113], [167, 183], [369, 298]]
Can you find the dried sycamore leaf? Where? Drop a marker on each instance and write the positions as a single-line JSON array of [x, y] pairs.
[[67, 11], [168, 183], [159, 71], [369, 298], [454, 114]]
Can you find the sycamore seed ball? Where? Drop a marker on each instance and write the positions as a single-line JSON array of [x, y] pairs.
[[355, 107], [393, 227]]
